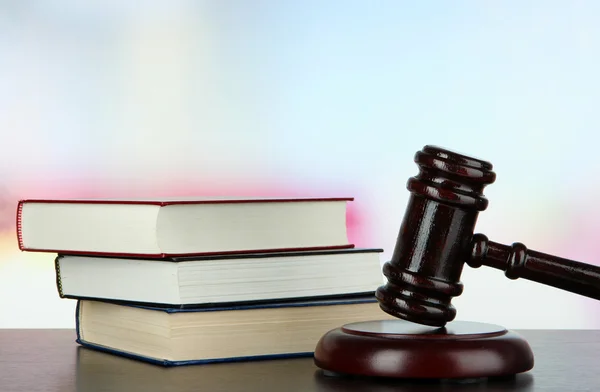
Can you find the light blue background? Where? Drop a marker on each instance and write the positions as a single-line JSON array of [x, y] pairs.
[[274, 97]]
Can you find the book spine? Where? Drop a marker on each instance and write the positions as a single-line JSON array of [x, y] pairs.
[[19, 227], [58, 277]]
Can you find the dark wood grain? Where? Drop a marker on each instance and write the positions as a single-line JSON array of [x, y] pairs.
[[401, 349], [436, 238], [433, 243], [50, 361], [519, 262]]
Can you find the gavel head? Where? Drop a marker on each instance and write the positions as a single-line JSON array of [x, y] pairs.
[[435, 236]]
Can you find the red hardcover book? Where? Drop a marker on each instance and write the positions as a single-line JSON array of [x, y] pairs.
[[164, 228]]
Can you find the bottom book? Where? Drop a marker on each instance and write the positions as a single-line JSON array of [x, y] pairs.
[[174, 337]]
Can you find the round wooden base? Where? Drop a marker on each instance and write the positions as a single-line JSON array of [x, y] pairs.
[[401, 349]]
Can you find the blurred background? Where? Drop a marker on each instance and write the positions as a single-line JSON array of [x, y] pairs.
[[316, 98]]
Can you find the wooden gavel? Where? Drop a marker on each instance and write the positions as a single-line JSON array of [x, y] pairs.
[[436, 238]]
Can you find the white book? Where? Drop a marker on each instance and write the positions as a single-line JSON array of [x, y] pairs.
[[161, 228], [215, 280], [172, 337]]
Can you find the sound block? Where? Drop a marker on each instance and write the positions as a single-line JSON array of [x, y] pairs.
[[402, 349]]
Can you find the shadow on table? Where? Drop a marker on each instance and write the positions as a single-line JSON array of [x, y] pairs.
[[102, 372]]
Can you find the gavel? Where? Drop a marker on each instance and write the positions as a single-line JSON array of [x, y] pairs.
[[436, 239]]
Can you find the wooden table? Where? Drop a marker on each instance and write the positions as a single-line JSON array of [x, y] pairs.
[[50, 360]]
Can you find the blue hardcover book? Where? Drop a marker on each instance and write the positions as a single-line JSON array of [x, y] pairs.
[[180, 282], [187, 336]]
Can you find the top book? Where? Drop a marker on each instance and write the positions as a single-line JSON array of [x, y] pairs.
[[163, 228]]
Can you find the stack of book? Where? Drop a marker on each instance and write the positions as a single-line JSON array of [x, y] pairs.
[[178, 282]]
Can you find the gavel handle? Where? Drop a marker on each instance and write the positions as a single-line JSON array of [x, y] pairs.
[[519, 262]]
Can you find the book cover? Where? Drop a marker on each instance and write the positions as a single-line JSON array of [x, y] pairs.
[[357, 299], [120, 229], [183, 259]]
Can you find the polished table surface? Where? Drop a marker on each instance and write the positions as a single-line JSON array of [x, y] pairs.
[[50, 360]]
